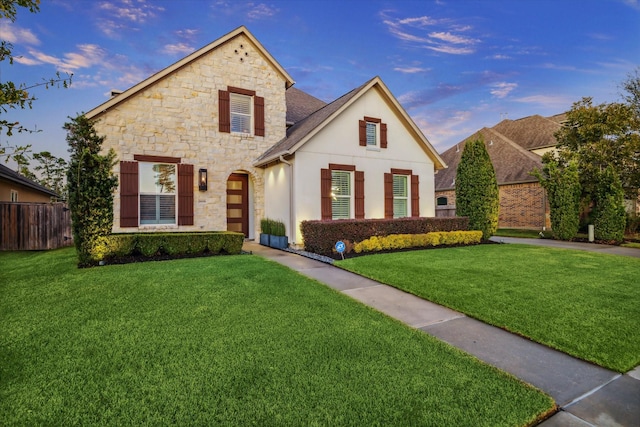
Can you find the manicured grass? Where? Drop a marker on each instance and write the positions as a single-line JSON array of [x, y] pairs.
[[233, 340], [582, 303]]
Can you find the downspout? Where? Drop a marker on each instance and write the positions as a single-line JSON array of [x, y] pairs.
[[288, 163]]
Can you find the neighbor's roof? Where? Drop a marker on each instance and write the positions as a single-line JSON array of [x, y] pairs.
[[532, 132], [304, 130], [242, 30], [10, 175], [511, 162]]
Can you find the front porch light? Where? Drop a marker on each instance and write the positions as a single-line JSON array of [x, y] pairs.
[[202, 180]]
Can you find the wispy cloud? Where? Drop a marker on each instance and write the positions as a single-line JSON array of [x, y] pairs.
[[131, 10], [177, 49], [260, 11], [86, 56], [444, 125], [439, 35], [550, 101], [252, 11], [14, 34], [184, 45], [411, 70], [428, 96], [601, 36], [635, 4], [502, 89], [120, 15]]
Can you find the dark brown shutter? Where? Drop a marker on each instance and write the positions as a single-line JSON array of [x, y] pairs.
[[388, 195], [128, 194], [185, 194], [362, 127], [224, 111], [415, 195], [359, 194], [258, 109], [325, 193], [383, 135]]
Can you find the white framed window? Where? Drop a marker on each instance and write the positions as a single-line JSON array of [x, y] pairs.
[[341, 194], [157, 193], [372, 134], [400, 196], [14, 195], [241, 107]]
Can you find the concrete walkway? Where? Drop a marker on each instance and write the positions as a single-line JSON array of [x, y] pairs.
[[588, 395]]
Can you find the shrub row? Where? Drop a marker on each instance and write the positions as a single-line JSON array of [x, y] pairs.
[[404, 241], [154, 244], [320, 236]]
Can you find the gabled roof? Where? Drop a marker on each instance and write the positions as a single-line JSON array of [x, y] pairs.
[[300, 105], [242, 30], [531, 132], [511, 162], [305, 129], [10, 175]]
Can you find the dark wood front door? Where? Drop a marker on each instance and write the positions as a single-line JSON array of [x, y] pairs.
[[238, 203]]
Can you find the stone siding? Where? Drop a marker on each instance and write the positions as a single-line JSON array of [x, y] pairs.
[[178, 117]]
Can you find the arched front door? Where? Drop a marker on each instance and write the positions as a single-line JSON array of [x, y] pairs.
[[238, 203]]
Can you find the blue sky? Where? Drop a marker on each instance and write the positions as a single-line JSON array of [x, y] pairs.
[[455, 65]]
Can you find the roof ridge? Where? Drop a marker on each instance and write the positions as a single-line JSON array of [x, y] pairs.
[[514, 144], [12, 175]]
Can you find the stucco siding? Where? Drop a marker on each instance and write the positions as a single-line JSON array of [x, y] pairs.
[[337, 143]]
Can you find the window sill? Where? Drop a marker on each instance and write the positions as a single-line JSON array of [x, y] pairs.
[[156, 227], [373, 148], [243, 135]]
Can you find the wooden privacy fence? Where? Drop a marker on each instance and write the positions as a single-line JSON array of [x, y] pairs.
[[34, 226]]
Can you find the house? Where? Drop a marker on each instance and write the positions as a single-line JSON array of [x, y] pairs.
[[515, 148], [221, 139], [16, 188]]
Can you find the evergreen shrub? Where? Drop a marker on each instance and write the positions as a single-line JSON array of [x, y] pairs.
[[477, 193]]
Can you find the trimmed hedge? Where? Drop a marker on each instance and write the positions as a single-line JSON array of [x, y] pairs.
[[321, 236], [404, 241], [155, 244]]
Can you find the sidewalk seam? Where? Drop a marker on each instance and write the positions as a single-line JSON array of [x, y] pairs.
[[589, 393]]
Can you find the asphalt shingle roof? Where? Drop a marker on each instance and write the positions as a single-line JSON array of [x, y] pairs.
[[13, 176]]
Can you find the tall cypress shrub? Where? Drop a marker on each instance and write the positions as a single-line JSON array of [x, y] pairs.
[[91, 183], [609, 216], [562, 184], [477, 194]]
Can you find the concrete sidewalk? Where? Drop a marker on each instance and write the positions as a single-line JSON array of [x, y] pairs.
[[588, 395]]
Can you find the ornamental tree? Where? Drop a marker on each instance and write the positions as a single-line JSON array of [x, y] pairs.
[[477, 194], [90, 183]]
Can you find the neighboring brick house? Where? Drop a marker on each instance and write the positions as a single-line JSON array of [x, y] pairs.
[[221, 139], [515, 148]]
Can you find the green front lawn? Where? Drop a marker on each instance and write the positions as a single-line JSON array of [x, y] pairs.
[[582, 303], [233, 340]]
